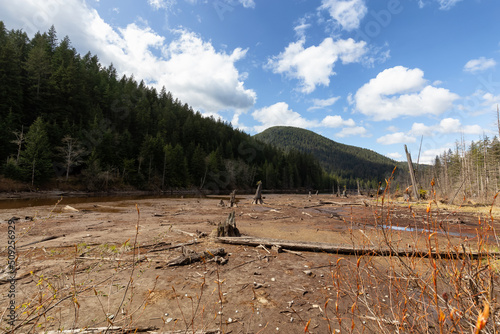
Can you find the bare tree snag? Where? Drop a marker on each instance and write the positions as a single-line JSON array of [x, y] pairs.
[[257, 199], [228, 228], [412, 174]]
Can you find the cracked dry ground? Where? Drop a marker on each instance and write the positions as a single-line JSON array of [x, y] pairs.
[[84, 276]]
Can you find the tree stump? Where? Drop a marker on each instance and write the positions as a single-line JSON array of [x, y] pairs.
[[228, 228], [257, 199], [232, 199]]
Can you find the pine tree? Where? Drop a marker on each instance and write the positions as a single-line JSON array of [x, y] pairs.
[[35, 162]]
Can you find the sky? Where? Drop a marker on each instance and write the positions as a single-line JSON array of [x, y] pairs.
[[376, 74]]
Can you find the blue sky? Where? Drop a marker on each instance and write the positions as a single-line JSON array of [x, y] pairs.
[[370, 73]]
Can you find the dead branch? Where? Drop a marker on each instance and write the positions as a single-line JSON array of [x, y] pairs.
[[190, 257]]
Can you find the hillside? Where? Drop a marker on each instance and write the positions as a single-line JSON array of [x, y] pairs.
[[344, 161], [67, 119]]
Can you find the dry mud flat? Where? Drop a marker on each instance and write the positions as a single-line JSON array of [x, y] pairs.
[[113, 264]]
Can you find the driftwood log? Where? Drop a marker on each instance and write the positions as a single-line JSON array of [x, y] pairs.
[[257, 199], [114, 329], [350, 250]]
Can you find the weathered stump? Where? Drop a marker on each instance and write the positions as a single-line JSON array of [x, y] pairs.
[[232, 199], [257, 199], [228, 228]]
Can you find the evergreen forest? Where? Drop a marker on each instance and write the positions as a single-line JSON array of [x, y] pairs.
[[65, 118]]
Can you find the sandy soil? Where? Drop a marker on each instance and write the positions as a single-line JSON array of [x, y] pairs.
[[85, 276]]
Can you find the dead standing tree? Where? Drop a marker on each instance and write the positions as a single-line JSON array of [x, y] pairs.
[[257, 199]]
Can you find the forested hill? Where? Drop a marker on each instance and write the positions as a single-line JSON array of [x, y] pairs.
[[344, 161], [66, 117]]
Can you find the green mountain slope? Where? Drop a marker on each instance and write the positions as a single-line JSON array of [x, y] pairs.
[[345, 161]]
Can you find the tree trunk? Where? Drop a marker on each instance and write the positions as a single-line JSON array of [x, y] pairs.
[[412, 174]]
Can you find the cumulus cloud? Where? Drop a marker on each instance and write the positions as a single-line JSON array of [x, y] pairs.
[[337, 122], [395, 155], [189, 67], [445, 126], [400, 91], [195, 72], [479, 65], [323, 103], [313, 66], [353, 131], [396, 138], [280, 114], [429, 156], [347, 13], [490, 99]]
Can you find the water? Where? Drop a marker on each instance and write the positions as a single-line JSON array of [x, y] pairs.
[[16, 203], [424, 230]]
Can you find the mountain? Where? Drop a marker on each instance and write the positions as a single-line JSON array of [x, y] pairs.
[[345, 161]]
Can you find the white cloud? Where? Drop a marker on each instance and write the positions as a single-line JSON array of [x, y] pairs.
[[195, 72], [353, 131], [395, 155], [313, 66], [280, 114], [400, 91], [337, 121], [396, 138], [479, 65], [490, 99], [301, 27], [188, 66], [447, 4], [429, 156], [347, 13], [446, 126], [392, 128], [323, 103]]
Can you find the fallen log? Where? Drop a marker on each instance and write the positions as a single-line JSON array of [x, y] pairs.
[[43, 240], [190, 257], [349, 249]]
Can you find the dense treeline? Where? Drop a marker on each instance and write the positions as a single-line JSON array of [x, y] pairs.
[[347, 164], [468, 171], [68, 117]]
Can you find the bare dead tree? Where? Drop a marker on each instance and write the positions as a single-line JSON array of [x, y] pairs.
[[72, 152], [257, 199], [19, 141]]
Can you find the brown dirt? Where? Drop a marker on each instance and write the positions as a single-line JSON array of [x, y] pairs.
[[89, 265]]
